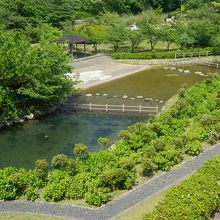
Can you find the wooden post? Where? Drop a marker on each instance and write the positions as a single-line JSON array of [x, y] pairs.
[[183, 55], [157, 109], [106, 107], [71, 48], [175, 56], [140, 109], [123, 108], [90, 107]]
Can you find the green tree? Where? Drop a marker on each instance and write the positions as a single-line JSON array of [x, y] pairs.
[[96, 34], [135, 37], [32, 77], [150, 25]]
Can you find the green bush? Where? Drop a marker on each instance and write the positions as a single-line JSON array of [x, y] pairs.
[[98, 196], [31, 194], [156, 54], [195, 198]]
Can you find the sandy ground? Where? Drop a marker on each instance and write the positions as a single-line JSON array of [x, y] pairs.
[[97, 70]]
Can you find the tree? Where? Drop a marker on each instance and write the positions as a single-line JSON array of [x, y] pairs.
[[96, 34], [150, 25], [151, 32], [135, 37], [168, 34], [32, 77], [116, 29]]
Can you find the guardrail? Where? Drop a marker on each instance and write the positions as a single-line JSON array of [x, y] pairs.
[[120, 108], [193, 54]]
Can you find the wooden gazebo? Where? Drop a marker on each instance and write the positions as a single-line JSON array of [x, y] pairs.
[[73, 41]]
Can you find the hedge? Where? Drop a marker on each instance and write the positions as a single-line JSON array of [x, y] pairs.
[[195, 198], [155, 54]]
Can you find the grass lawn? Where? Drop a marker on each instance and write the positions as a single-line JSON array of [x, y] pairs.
[[22, 216], [138, 211], [108, 49]]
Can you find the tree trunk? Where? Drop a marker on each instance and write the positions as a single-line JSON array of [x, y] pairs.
[[168, 45], [132, 48], [151, 45]]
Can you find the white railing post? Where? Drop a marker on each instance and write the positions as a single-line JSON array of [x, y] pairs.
[[106, 107], [123, 108], [90, 107], [157, 109], [140, 109]]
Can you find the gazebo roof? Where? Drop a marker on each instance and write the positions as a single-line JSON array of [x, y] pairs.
[[72, 39]]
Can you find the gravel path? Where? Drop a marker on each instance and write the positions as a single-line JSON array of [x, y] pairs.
[[115, 207]]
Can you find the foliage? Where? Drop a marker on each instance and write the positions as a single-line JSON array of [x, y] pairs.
[[153, 55], [41, 169], [80, 150], [32, 77], [103, 141], [195, 198]]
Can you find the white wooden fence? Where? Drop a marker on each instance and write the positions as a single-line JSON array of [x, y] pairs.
[[120, 108], [193, 54]]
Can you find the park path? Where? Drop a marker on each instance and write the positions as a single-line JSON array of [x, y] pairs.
[[115, 207]]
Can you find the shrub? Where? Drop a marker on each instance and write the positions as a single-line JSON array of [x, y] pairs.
[[195, 198], [156, 54], [193, 148], [103, 141], [41, 169], [54, 192], [31, 194], [148, 167], [80, 150], [98, 196]]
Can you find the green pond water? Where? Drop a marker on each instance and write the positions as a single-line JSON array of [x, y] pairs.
[[56, 134], [40, 139], [157, 83]]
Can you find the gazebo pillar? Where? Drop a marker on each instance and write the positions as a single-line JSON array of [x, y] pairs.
[[71, 48]]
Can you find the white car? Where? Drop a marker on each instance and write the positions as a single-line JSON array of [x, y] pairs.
[[134, 27]]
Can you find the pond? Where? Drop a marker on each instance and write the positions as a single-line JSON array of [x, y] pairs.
[[155, 83], [39, 139], [56, 134]]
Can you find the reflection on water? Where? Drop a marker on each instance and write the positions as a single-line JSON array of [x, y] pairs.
[[23, 145]]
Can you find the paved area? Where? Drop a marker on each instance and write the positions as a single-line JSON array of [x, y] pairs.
[[94, 71], [117, 206]]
